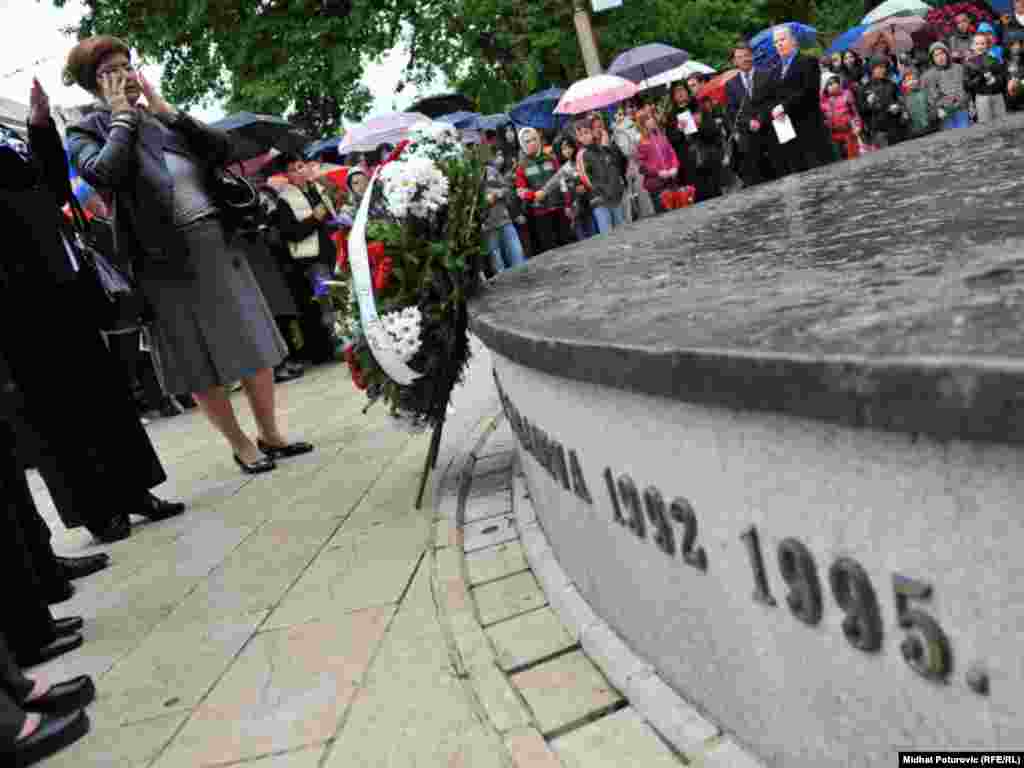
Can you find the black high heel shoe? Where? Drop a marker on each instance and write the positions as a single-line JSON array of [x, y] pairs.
[[256, 467]]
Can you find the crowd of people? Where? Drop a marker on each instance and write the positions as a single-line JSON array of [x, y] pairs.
[[548, 189]]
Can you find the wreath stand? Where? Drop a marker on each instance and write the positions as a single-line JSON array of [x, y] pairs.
[[439, 409]]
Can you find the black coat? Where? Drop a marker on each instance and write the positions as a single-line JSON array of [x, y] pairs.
[[799, 94], [75, 413], [129, 163], [984, 76], [876, 102]]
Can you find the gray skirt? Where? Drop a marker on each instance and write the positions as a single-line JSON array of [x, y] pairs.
[[214, 327]]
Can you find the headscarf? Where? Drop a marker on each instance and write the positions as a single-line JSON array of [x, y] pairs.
[[931, 54], [525, 133]]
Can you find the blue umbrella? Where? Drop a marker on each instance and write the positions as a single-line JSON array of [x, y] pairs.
[[644, 61], [491, 122], [764, 46], [459, 119], [847, 39], [538, 110], [318, 147]]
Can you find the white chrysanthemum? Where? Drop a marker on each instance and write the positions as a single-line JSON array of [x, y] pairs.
[[414, 187], [398, 332], [434, 140]]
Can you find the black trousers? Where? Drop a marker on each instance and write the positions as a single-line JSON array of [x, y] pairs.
[[14, 689], [548, 231], [27, 564]]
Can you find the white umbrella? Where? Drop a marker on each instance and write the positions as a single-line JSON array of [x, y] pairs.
[[679, 73], [594, 93], [385, 129], [897, 8]]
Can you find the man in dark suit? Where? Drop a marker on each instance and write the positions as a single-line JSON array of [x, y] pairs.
[[750, 136], [793, 91]]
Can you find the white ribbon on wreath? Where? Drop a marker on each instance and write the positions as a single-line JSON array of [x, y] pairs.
[[362, 284]]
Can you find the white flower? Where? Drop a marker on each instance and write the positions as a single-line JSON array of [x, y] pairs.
[[434, 140], [414, 187], [397, 332]]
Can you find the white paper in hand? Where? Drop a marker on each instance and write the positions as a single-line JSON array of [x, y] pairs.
[[784, 129], [686, 123]]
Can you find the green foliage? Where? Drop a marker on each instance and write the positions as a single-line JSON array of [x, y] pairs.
[[280, 55]]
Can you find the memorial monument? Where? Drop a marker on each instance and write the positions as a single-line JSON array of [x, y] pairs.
[[777, 442]]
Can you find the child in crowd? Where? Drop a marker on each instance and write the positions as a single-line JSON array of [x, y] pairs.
[[498, 227], [881, 106], [985, 80], [919, 112], [840, 113], [567, 183]]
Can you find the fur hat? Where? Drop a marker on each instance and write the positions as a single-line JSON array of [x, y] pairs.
[[525, 133], [940, 46], [84, 59]]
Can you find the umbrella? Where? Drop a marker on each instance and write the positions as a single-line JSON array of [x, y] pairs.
[[459, 119], [646, 61], [846, 40], [442, 104], [595, 92], [895, 32], [384, 129], [714, 88], [763, 42], [678, 73], [537, 110], [319, 147], [253, 134], [491, 122], [896, 8]]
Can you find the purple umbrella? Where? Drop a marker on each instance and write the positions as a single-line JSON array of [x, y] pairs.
[[642, 62]]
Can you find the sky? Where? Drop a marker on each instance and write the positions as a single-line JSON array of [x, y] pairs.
[[33, 45]]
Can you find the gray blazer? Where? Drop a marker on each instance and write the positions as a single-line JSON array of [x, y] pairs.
[[123, 155]]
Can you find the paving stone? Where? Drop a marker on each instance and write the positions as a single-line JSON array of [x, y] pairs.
[[288, 688], [621, 738], [495, 562], [727, 754], [493, 462], [527, 638], [481, 507], [529, 750], [487, 533], [502, 599], [564, 690], [305, 758], [126, 746], [499, 699], [356, 570], [445, 534], [616, 659], [158, 676], [485, 485]]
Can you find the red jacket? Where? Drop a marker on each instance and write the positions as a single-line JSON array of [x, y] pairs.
[[523, 183], [654, 155]]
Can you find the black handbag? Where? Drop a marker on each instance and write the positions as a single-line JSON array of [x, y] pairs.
[[115, 302], [237, 199]]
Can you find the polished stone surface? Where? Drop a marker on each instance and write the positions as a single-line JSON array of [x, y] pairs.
[[881, 292]]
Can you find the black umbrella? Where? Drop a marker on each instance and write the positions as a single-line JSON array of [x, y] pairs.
[[254, 134], [444, 104]]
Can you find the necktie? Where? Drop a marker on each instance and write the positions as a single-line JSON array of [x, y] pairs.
[[748, 82]]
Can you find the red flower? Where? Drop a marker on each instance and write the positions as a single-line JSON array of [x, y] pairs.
[[381, 273], [396, 152], [375, 250], [340, 239]]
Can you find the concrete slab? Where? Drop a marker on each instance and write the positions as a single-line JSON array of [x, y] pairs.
[[481, 507], [529, 750], [287, 689], [527, 638], [495, 562], [564, 690], [502, 599], [125, 746], [499, 699], [621, 738], [487, 533]]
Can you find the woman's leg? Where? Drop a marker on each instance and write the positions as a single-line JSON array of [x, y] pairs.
[[493, 239], [216, 406], [259, 389], [513, 248]]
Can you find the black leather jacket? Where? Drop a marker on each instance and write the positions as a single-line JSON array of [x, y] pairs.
[[124, 157]]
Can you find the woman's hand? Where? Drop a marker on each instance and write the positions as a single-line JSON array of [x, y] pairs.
[[39, 105], [320, 212], [157, 104], [112, 86]]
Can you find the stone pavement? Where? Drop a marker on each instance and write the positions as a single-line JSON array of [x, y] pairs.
[[312, 617]]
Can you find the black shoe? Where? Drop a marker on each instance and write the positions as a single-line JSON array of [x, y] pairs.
[[283, 451], [295, 366], [60, 593], [77, 567], [154, 508], [51, 736], [186, 402], [64, 698], [282, 374], [118, 528], [69, 625], [58, 647], [256, 467]]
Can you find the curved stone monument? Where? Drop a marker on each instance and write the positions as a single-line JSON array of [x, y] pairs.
[[776, 442]]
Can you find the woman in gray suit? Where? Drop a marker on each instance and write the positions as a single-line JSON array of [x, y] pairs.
[[212, 325]]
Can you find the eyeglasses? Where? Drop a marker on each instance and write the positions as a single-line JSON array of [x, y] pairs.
[[126, 68]]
